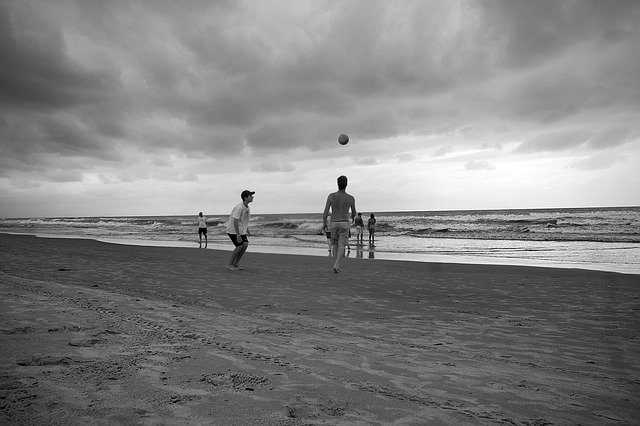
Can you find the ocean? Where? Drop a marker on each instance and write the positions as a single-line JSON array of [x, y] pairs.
[[606, 238]]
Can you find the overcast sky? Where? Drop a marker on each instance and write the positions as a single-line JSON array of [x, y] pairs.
[[175, 107]]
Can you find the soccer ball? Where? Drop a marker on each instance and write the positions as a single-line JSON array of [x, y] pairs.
[[343, 139]]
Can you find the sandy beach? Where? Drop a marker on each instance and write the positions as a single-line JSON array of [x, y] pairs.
[[98, 333]]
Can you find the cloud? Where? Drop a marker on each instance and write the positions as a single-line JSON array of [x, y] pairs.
[[444, 150], [583, 138], [555, 141], [612, 137], [123, 91], [273, 166], [478, 165], [275, 84], [367, 161], [596, 162], [496, 145], [63, 176], [527, 33], [405, 158], [35, 69]]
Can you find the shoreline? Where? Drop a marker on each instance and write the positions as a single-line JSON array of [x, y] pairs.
[[92, 332], [365, 253]]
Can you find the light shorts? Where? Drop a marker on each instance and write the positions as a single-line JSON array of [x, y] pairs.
[[339, 233]]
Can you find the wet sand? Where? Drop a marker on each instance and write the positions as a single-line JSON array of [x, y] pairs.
[[98, 333]]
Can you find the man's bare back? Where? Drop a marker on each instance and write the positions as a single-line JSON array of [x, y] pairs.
[[340, 202]]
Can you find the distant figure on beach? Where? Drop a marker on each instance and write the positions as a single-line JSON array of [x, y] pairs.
[[359, 229], [340, 224], [371, 226], [327, 232], [202, 229], [238, 229]]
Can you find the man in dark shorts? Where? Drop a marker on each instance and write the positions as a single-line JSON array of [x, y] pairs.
[[202, 229], [238, 229]]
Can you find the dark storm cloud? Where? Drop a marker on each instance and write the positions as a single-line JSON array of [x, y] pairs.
[[525, 33], [35, 137], [43, 93], [64, 176], [104, 80], [577, 55], [35, 71], [277, 136]]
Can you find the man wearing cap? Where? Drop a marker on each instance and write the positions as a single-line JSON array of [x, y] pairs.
[[339, 203], [238, 229]]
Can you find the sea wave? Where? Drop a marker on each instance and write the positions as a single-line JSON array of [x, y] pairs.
[[597, 224]]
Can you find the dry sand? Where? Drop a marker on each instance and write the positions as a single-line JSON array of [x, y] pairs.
[[97, 333]]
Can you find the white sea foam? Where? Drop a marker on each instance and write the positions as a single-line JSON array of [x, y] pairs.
[[581, 236]]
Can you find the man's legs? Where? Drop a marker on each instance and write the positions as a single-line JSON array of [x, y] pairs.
[[234, 257], [243, 249], [334, 241], [238, 252], [339, 235]]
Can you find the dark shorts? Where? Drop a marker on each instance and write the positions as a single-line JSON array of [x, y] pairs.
[[328, 235], [202, 231], [234, 239]]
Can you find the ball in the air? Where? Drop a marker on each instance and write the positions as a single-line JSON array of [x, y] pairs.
[[343, 139]]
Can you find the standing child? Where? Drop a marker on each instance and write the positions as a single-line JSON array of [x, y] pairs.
[[371, 226], [359, 229]]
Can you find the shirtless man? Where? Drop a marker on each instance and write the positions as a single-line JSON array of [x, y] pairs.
[[340, 203]]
